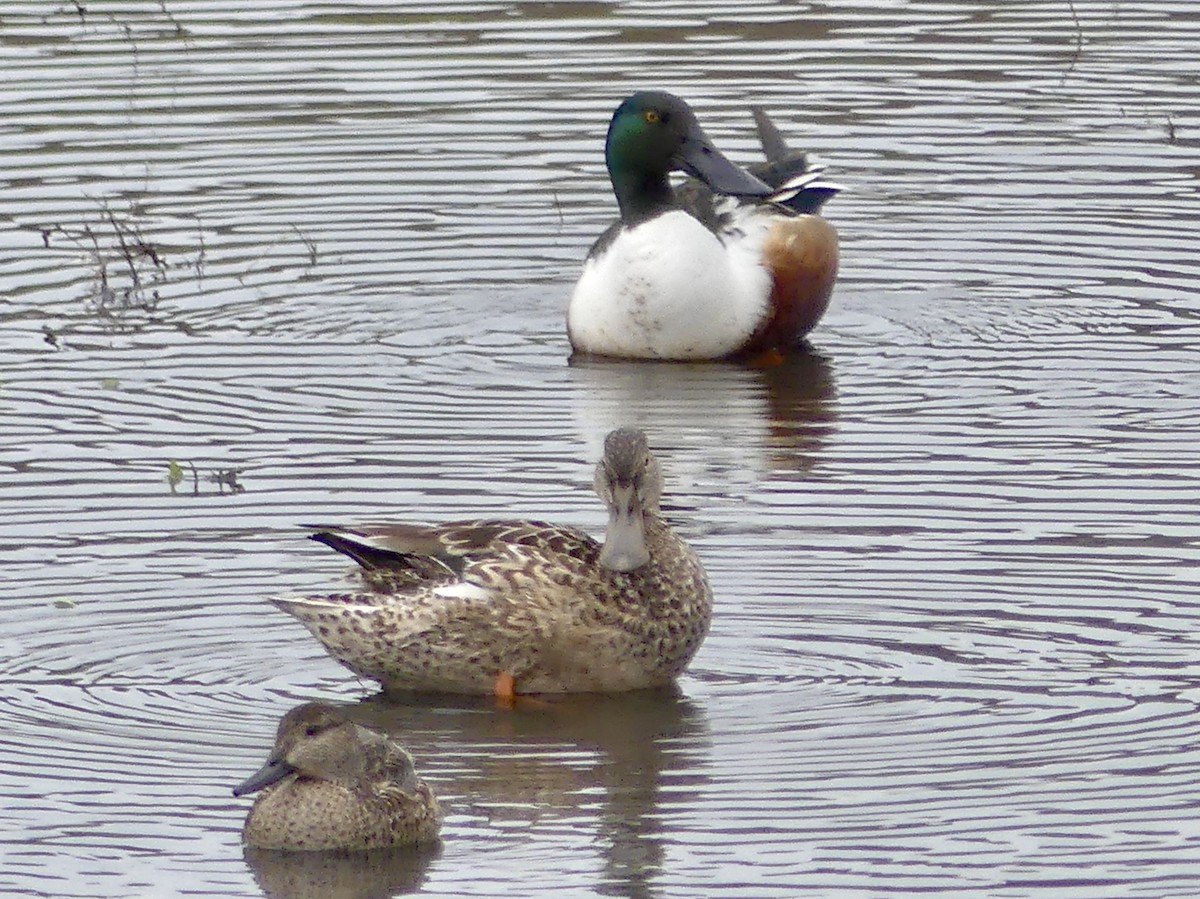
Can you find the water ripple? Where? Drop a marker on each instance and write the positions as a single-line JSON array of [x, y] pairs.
[[268, 263]]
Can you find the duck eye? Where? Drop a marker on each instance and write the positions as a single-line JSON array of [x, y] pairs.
[[311, 731], [651, 116]]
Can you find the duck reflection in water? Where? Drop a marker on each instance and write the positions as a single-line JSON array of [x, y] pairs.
[[341, 874], [731, 424], [583, 765]]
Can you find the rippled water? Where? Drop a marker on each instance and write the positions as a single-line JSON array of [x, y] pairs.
[[322, 252]]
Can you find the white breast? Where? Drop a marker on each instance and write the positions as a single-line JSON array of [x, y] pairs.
[[669, 289]]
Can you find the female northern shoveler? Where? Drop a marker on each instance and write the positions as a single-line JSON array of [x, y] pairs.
[[691, 276], [331, 784], [522, 606]]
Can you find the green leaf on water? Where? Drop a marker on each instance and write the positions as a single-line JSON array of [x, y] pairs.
[[65, 603], [110, 383], [174, 474]]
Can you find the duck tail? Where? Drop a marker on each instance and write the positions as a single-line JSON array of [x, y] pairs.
[[373, 557], [368, 556], [805, 193], [774, 145], [310, 607]]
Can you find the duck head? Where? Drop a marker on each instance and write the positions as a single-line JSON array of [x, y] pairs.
[[314, 740], [654, 133], [630, 482]]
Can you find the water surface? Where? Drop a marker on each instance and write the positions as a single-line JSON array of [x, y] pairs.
[[317, 255]]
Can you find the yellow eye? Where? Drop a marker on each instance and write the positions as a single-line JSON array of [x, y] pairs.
[[651, 116]]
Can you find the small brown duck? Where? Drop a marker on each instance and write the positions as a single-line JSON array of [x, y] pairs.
[[511, 607], [330, 784]]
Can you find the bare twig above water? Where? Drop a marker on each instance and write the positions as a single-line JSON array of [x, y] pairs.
[[309, 245], [227, 477], [562, 222], [86, 16], [179, 29], [129, 266], [116, 244], [1078, 39]]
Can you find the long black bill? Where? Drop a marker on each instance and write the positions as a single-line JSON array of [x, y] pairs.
[[699, 158]]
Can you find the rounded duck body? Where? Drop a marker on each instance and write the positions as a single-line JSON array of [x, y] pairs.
[[332, 785], [730, 266], [519, 606]]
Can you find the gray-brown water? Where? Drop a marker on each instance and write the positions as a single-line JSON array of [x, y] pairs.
[[323, 251]]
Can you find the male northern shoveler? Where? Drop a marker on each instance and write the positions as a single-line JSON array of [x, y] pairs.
[[331, 784], [522, 606], [689, 275]]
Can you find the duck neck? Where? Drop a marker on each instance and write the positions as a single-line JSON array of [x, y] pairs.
[[641, 195], [656, 533], [656, 529]]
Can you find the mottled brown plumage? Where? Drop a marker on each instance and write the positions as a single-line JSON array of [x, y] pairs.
[[450, 607], [330, 784]]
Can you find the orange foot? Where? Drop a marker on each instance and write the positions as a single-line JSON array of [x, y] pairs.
[[766, 359], [505, 690]]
